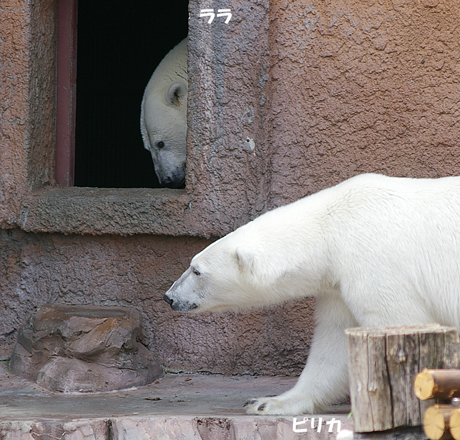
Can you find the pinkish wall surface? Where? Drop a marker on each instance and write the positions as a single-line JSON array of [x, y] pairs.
[[136, 271], [362, 86], [326, 90]]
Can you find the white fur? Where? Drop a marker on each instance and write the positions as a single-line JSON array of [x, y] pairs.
[[373, 250], [164, 116]]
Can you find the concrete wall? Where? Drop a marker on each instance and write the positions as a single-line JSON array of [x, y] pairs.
[[362, 86], [136, 271], [325, 90]]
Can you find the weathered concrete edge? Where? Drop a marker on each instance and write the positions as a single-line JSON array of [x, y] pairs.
[[166, 427], [98, 211]]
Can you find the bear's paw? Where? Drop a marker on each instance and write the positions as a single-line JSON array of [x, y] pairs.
[[273, 406]]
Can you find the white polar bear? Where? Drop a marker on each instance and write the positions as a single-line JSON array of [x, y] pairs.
[[164, 117], [373, 251]]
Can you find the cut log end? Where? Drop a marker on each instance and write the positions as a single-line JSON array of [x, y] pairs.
[[424, 385], [454, 424], [439, 383], [436, 422]]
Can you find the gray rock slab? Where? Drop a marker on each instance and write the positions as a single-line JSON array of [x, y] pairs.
[[178, 406], [84, 348]]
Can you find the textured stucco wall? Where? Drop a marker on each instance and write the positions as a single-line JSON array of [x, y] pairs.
[[362, 86], [228, 104], [27, 102], [13, 107], [27, 75], [135, 271]]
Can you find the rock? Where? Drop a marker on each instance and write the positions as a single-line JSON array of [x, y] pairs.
[[85, 349]]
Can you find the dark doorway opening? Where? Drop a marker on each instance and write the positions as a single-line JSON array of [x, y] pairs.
[[119, 45]]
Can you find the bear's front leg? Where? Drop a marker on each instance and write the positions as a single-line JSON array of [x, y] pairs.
[[324, 379]]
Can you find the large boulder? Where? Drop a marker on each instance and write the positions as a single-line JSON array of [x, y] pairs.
[[84, 349]]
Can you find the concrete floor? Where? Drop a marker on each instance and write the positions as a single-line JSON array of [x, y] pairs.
[[179, 406]]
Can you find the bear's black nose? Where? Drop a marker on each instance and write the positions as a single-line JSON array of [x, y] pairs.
[[168, 300]]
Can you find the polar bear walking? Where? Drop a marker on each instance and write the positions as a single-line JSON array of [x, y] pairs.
[[164, 117], [373, 251]]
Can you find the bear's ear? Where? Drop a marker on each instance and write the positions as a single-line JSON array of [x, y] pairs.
[[262, 271], [245, 259], [175, 94]]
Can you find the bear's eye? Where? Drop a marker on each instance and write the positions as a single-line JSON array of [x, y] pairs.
[[196, 272], [160, 144]]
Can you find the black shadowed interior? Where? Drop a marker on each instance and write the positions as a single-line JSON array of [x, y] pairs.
[[119, 45]]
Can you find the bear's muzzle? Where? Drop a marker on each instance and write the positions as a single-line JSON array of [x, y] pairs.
[[179, 306]]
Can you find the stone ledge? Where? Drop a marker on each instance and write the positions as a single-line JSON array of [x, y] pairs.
[[125, 211], [156, 427], [99, 211], [201, 407]]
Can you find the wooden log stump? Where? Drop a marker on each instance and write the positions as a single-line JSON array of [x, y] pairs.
[[383, 364]]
